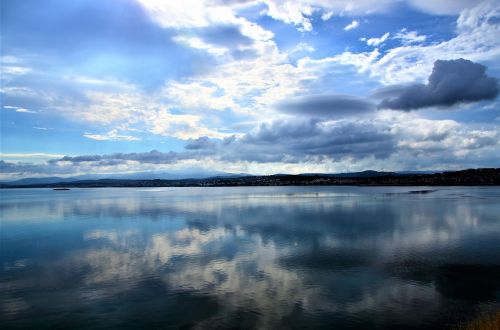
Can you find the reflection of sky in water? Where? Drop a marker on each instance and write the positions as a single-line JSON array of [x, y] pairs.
[[261, 257]]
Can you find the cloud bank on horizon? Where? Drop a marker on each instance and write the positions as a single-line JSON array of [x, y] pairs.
[[254, 86]]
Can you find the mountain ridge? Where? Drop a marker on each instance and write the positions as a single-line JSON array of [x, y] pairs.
[[483, 176]]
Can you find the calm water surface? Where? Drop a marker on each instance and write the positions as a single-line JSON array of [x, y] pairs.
[[253, 257]]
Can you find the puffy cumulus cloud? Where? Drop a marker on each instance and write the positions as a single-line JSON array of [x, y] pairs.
[[451, 82], [327, 106]]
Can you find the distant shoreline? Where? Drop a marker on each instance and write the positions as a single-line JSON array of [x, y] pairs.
[[471, 177]]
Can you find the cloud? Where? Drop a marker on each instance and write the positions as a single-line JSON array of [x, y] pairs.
[[354, 24], [29, 155], [18, 109], [443, 7], [327, 15], [377, 41], [291, 141], [296, 13], [326, 106], [301, 140], [97, 38], [451, 82], [409, 37], [302, 47], [388, 140], [199, 143], [476, 40], [225, 35], [151, 157], [111, 136]]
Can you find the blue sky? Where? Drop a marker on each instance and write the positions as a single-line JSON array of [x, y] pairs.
[[261, 86]]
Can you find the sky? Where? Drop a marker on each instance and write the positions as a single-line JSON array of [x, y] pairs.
[[248, 86]]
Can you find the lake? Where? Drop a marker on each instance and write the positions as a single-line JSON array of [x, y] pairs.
[[249, 257]]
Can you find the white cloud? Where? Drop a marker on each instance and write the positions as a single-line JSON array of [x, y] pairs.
[[180, 126], [476, 41], [15, 70], [19, 109], [202, 13], [327, 15], [111, 136], [302, 47], [4, 155], [188, 13], [24, 110], [291, 12], [354, 24], [197, 43], [196, 96], [409, 37], [377, 41]]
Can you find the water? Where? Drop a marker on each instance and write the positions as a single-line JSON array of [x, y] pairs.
[[252, 257]]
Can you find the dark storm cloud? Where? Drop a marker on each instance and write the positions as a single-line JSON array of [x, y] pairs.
[[11, 167], [199, 143], [151, 157], [295, 141], [278, 141], [451, 82], [20, 168], [329, 106]]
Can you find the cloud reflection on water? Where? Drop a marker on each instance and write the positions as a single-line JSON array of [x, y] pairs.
[[265, 259]]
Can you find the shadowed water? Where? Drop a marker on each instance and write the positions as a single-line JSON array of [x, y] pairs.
[[253, 257]]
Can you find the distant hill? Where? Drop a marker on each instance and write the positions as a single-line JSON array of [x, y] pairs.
[[363, 174], [47, 180], [175, 175], [485, 176]]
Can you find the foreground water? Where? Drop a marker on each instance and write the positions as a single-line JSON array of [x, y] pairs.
[[253, 257]]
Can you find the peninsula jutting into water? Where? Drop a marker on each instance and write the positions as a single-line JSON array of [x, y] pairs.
[[470, 177]]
